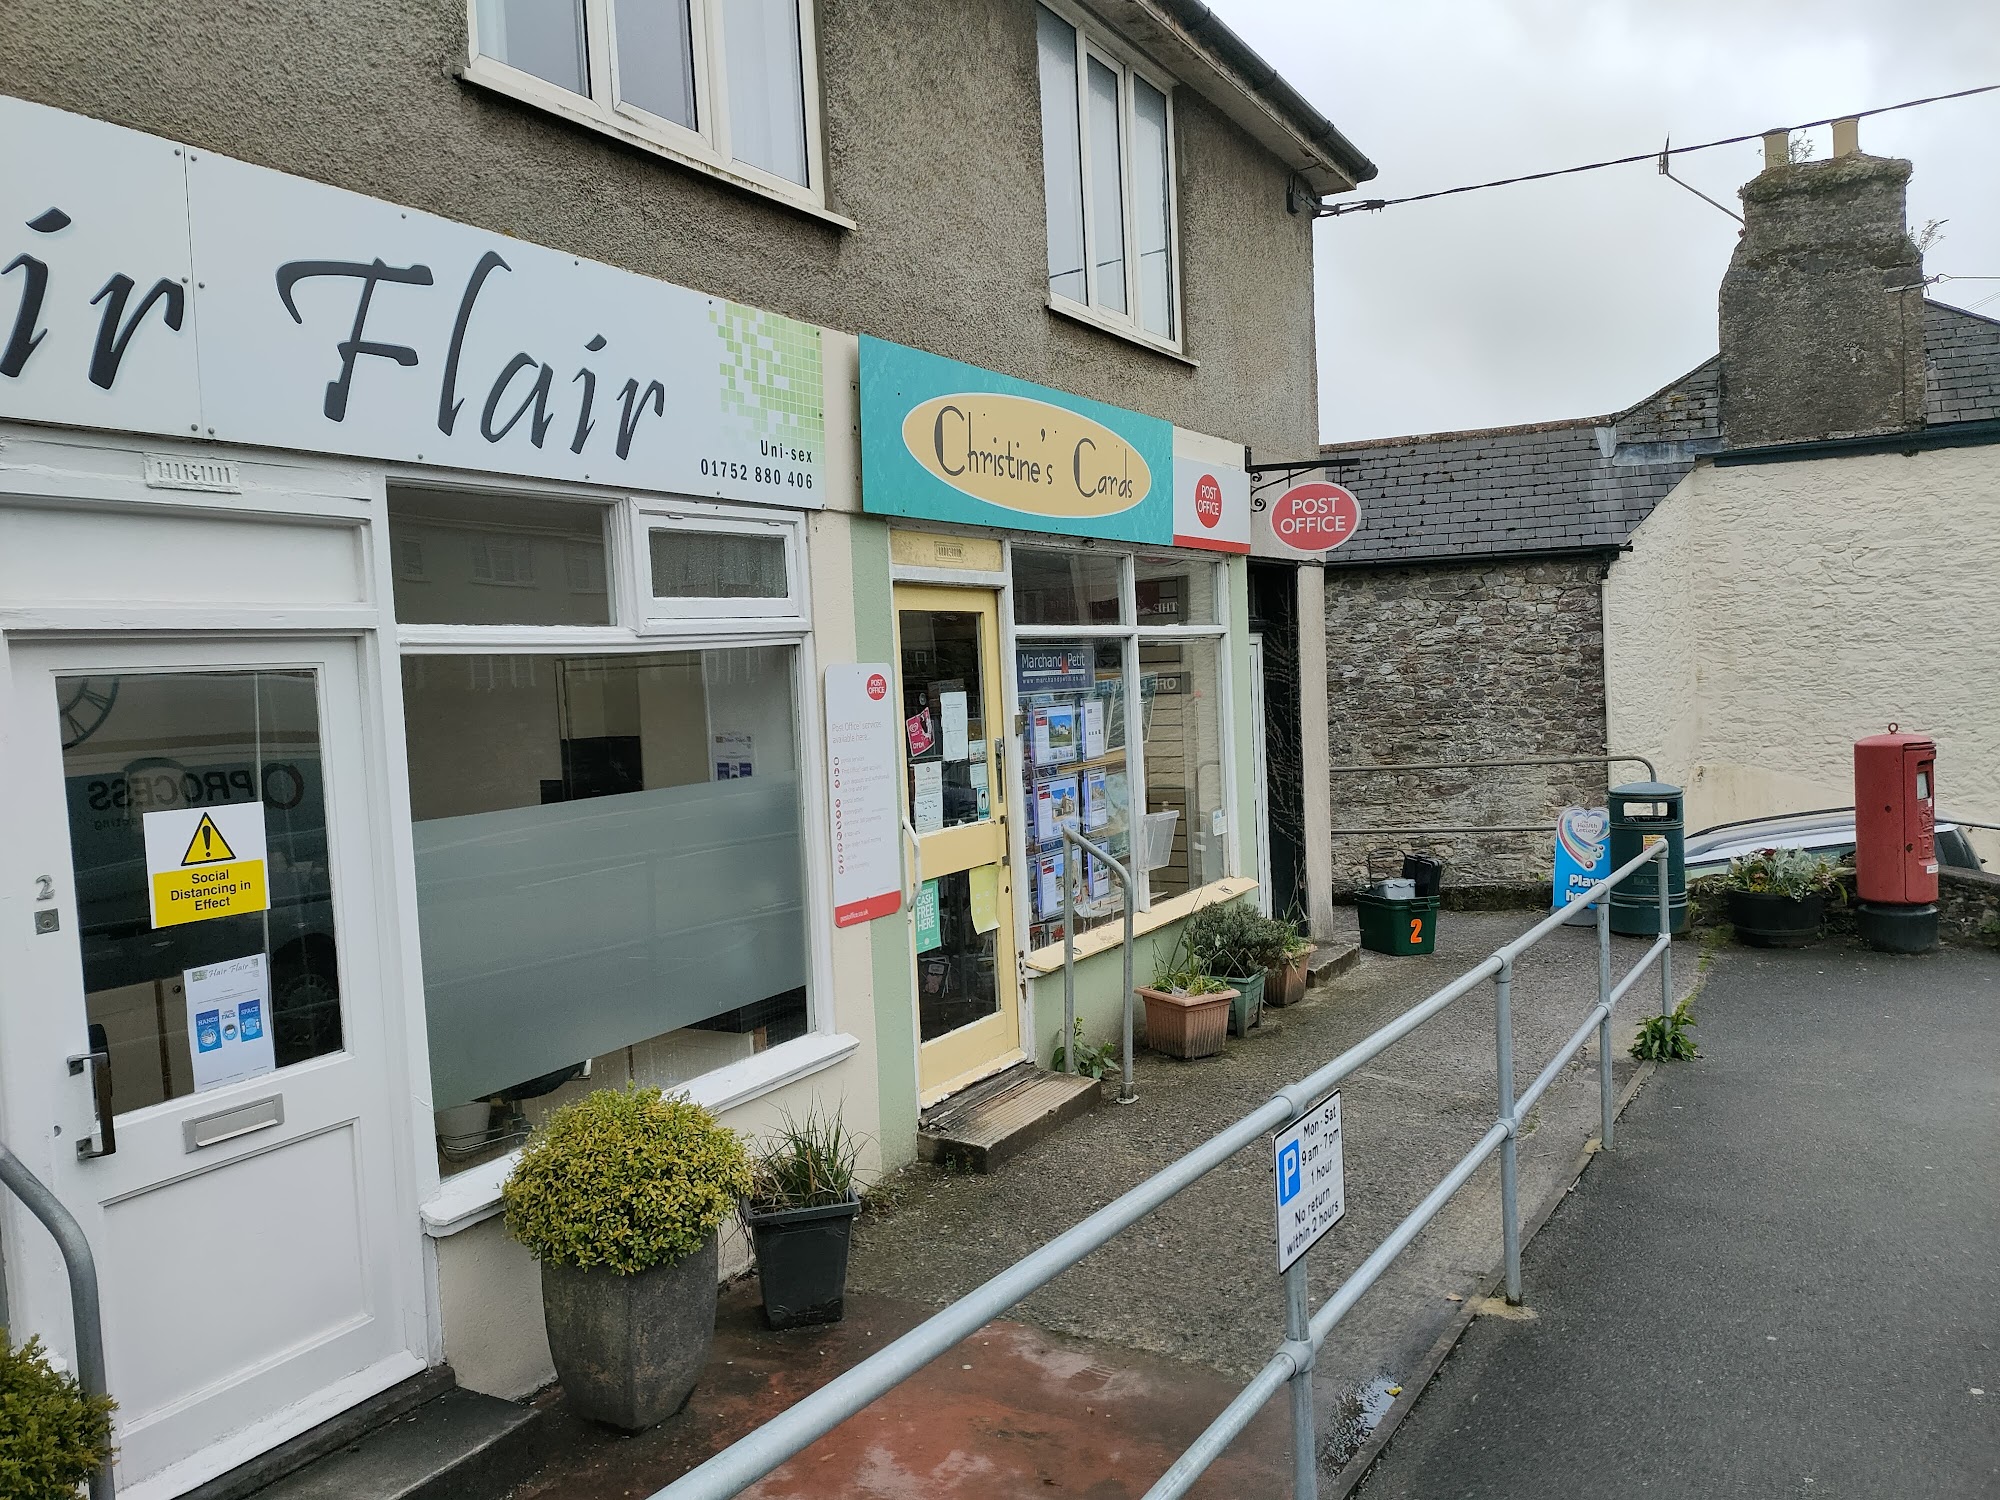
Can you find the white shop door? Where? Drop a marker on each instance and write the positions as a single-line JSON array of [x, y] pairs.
[[195, 820]]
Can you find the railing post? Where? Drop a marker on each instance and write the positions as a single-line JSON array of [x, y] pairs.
[[1667, 932], [1305, 1434], [1503, 1056], [1126, 1093], [1607, 1101], [1069, 956]]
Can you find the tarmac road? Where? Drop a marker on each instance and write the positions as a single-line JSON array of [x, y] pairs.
[[1785, 1278]]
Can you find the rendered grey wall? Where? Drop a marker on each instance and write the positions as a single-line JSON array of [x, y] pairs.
[[933, 139]]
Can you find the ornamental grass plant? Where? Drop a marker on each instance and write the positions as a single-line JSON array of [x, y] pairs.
[[625, 1179], [806, 1163], [52, 1436]]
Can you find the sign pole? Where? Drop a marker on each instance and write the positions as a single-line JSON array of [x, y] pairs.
[[1305, 1439]]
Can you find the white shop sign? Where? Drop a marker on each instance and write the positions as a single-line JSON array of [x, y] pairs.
[[1311, 1179], [160, 289], [864, 792]]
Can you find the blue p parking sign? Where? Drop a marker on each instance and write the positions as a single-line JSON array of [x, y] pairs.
[[1288, 1172], [1312, 1179]]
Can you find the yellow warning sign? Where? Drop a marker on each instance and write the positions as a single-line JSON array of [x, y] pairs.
[[208, 846], [206, 863]]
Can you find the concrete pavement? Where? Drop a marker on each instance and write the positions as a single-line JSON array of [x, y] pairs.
[[1785, 1279]]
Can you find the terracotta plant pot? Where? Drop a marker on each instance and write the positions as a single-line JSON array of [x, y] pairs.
[[1286, 984], [1186, 1026]]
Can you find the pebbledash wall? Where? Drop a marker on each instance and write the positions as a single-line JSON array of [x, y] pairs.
[[1770, 613]]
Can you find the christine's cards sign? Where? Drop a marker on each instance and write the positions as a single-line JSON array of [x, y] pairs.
[[155, 288]]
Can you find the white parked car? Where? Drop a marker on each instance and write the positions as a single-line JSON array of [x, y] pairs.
[[1830, 833]]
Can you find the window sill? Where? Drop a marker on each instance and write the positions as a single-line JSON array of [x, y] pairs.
[[473, 1196], [1077, 312], [1104, 939], [501, 80]]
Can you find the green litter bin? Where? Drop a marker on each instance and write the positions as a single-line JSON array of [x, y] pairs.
[[1401, 926], [1643, 813]]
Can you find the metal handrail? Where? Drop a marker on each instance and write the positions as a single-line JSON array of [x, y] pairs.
[[750, 1458], [81, 1265], [1074, 840]]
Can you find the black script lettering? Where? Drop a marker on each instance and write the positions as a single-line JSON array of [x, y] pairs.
[[1076, 463], [588, 376], [628, 424], [26, 337], [937, 437], [448, 402], [110, 351], [537, 397], [370, 275]]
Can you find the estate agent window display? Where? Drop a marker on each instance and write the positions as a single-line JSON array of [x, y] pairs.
[[1105, 640]]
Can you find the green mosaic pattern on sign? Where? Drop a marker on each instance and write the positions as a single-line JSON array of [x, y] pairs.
[[771, 375]]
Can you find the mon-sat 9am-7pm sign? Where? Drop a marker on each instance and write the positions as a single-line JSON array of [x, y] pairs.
[[945, 441], [154, 288]]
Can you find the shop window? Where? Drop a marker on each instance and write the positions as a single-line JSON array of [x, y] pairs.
[[1067, 588], [720, 564], [610, 874], [497, 560], [1185, 745], [1174, 592], [725, 84], [1076, 773], [1107, 164]]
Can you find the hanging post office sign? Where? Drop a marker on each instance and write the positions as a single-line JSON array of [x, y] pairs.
[[946, 441], [168, 290], [206, 862]]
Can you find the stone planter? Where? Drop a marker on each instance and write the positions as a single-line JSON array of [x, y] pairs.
[[628, 1349], [1186, 1026], [802, 1261], [1286, 984], [1765, 920]]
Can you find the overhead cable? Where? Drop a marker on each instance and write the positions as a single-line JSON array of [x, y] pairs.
[[1374, 205]]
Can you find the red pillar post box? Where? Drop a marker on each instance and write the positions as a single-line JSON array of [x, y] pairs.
[[1895, 851]]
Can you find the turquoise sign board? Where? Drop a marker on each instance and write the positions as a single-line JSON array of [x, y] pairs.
[[930, 932], [945, 441]]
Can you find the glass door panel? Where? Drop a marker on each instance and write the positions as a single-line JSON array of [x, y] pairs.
[[955, 801]]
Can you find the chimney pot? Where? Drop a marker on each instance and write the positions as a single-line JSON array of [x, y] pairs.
[[1847, 136], [1777, 148]]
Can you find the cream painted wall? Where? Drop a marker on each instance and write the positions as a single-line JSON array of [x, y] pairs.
[[1768, 615]]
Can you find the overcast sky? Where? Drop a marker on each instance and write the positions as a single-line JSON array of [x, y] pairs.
[[1581, 296]]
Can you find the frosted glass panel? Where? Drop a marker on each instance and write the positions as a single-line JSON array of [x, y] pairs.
[[554, 934], [1062, 154], [656, 58], [1107, 219], [1153, 242]]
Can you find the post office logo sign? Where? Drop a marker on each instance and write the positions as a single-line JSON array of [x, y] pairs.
[[1026, 455], [1315, 517]]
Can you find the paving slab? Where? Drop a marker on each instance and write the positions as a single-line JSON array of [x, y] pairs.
[[1783, 1280]]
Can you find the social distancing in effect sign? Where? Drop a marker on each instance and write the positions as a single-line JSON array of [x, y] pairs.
[[206, 862]]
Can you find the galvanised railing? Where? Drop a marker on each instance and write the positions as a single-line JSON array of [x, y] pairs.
[[749, 1459]]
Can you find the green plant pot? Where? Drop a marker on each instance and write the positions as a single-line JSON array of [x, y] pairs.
[[1247, 1009]]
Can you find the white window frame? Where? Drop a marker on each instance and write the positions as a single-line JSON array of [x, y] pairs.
[[1093, 42], [473, 1193], [656, 615], [707, 148], [1131, 634]]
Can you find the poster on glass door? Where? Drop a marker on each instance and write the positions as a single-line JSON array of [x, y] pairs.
[[229, 1021]]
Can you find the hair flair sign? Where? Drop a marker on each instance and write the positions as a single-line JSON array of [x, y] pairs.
[[166, 290]]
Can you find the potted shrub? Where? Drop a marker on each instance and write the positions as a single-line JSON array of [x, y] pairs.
[[1776, 898], [1285, 983], [619, 1196], [1187, 1009], [800, 1213], [1237, 944], [52, 1436]]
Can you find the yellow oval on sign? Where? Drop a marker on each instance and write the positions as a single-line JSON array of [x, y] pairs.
[[1026, 455]]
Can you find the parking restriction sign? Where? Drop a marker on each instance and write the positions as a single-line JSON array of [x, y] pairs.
[[1311, 1179]]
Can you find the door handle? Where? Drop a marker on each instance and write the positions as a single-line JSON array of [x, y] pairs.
[[915, 878], [99, 1063]]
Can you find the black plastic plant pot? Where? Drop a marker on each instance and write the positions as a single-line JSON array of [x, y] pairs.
[[802, 1261], [1765, 920]]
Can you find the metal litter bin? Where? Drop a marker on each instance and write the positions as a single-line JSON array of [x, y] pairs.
[[1642, 814]]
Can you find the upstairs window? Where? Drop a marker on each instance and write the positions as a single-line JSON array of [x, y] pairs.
[[1107, 162], [724, 84]]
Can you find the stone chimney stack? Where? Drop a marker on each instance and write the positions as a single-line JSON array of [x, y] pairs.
[[1822, 308]]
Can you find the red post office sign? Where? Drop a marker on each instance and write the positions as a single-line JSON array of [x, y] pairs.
[[1315, 517]]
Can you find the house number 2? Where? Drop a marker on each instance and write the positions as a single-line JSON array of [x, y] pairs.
[[45, 888]]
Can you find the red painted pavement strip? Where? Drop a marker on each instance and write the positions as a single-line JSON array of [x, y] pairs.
[[1036, 1414]]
